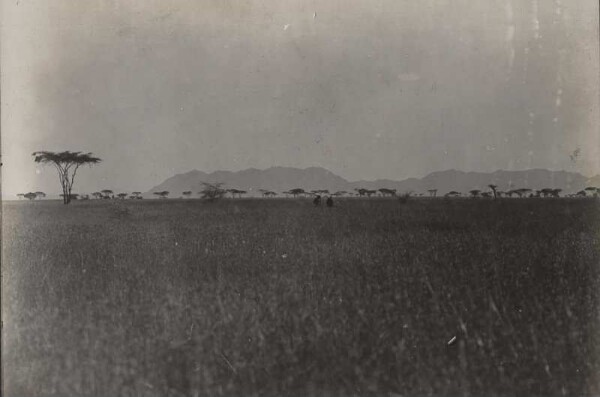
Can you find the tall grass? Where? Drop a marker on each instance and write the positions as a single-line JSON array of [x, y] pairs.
[[275, 297]]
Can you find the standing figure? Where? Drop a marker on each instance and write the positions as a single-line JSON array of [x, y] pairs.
[[329, 201], [317, 201]]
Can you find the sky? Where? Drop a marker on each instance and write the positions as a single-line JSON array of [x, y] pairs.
[[367, 89]]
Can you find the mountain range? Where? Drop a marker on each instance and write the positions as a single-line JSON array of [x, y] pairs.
[[280, 179]]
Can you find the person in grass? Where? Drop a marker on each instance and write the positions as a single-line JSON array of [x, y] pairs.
[[317, 201]]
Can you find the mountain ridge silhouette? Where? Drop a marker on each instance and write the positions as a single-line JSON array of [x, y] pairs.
[[280, 179]]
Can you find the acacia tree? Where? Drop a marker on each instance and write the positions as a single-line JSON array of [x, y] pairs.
[[162, 195], [30, 196], [264, 192], [66, 163], [387, 192], [361, 191], [212, 191], [593, 190], [239, 192], [297, 191]]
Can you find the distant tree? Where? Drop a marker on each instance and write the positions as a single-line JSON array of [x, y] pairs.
[[163, 194], [84, 197], [297, 191], [66, 163], [212, 191], [581, 193], [97, 195], [387, 192], [493, 187], [523, 191], [239, 193], [593, 190], [340, 193], [433, 192], [555, 192], [30, 196], [546, 192], [187, 193], [21, 196], [138, 195], [361, 191], [486, 194], [318, 192], [107, 193], [475, 192], [122, 196], [518, 192], [369, 193], [452, 193]]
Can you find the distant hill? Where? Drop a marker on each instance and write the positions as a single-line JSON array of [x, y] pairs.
[[277, 179], [281, 179]]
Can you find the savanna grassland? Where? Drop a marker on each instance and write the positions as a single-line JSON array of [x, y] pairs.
[[276, 297]]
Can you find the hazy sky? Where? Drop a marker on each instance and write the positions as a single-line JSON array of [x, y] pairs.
[[367, 89]]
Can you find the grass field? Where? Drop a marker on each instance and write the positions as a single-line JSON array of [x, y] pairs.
[[275, 297]]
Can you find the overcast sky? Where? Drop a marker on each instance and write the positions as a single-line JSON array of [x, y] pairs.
[[366, 89]]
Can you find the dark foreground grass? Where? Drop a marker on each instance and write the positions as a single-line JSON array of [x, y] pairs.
[[275, 297]]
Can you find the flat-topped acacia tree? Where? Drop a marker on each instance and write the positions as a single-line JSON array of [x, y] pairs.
[[66, 163]]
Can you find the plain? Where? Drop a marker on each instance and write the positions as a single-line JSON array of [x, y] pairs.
[[276, 297]]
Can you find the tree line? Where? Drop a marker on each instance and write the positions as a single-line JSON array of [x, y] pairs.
[[67, 164]]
